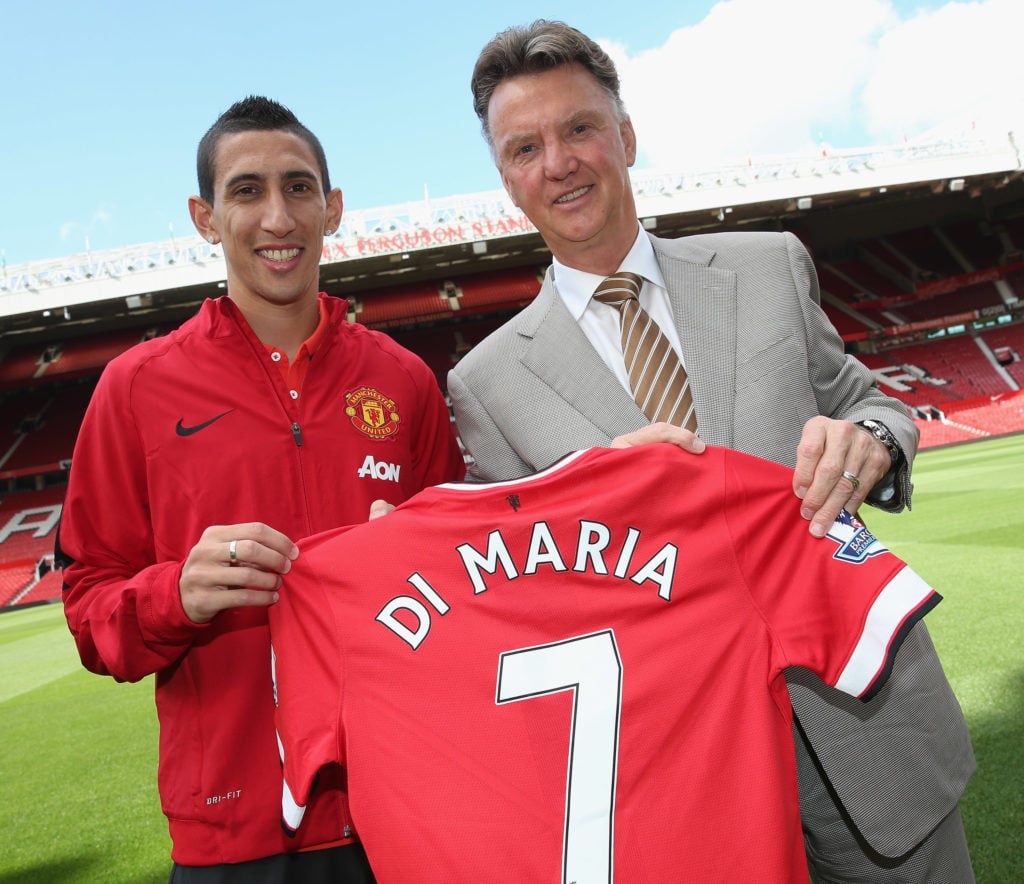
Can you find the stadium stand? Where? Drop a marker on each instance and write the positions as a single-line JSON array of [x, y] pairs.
[[445, 300], [1007, 344], [22, 366], [1015, 280], [28, 522], [943, 432], [1014, 237], [975, 296], [997, 416], [869, 283], [925, 252], [64, 360], [980, 245], [46, 588], [939, 373], [509, 290], [45, 437], [961, 362], [401, 306], [850, 308], [87, 356]]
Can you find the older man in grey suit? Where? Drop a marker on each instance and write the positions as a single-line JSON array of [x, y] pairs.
[[879, 782]]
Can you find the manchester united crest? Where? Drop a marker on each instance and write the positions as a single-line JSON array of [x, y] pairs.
[[372, 413]]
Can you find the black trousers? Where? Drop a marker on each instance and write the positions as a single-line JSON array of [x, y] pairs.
[[337, 865]]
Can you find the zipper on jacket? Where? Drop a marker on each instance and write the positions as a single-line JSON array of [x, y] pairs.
[[297, 433]]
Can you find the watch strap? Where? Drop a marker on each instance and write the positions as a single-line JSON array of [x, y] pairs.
[[884, 435]]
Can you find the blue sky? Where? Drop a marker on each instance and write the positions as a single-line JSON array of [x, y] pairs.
[[104, 101]]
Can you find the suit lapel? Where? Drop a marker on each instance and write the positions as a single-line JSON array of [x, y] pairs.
[[704, 306], [562, 357]]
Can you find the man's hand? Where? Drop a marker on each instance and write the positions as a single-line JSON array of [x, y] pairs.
[[234, 566], [661, 433], [831, 451]]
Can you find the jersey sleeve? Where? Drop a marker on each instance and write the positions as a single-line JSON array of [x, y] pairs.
[[839, 605], [306, 659], [122, 606]]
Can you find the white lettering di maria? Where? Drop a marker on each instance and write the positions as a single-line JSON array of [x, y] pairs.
[[591, 551]]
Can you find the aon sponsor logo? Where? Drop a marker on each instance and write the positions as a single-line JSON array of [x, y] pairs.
[[379, 469]]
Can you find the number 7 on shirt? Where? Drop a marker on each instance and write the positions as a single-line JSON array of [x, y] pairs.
[[590, 667]]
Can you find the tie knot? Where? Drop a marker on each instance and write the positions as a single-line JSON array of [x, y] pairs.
[[618, 287]]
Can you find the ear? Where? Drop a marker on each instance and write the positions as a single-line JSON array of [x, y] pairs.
[[628, 140], [335, 207], [202, 217]]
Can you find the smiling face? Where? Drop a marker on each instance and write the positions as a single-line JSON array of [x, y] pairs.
[[564, 156], [270, 212]]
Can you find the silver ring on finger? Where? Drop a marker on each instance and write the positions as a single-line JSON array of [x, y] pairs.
[[853, 479], [233, 552]]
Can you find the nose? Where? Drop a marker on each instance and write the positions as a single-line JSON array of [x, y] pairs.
[[560, 160], [277, 218]]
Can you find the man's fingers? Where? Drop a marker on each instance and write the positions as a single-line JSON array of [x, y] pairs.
[[244, 598], [380, 508], [247, 537], [234, 566], [809, 452], [252, 554], [838, 464], [201, 606], [660, 432], [821, 521]]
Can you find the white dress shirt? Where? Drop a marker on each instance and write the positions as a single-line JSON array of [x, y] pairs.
[[600, 322]]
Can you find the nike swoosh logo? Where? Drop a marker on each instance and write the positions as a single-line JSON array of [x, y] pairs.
[[182, 430]]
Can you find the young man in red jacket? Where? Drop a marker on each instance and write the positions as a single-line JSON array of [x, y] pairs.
[[203, 457]]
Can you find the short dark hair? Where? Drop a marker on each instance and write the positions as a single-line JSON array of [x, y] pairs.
[[253, 114], [532, 49]]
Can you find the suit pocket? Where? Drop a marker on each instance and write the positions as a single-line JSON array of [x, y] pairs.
[[783, 359]]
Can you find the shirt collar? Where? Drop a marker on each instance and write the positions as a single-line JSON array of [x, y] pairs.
[[295, 372], [576, 287], [313, 342]]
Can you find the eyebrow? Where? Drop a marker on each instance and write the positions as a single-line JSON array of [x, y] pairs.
[[574, 119], [525, 136]]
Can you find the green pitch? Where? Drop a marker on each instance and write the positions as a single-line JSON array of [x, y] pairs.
[[965, 536], [77, 764], [78, 752]]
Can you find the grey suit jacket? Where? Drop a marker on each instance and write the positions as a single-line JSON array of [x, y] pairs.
[[763, 359]]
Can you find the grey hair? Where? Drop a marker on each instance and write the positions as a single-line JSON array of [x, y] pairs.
[[533, 49]]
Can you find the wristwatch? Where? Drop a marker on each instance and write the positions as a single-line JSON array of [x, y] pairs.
[[882, 433]]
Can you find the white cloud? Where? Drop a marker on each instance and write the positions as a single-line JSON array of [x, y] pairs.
[[955, 66], [102, 216], [756, 78]]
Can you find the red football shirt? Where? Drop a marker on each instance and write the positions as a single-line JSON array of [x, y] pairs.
[[578, 676]]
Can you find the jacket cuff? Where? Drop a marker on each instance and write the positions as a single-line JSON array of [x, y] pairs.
[[892, 492], [161, 614]]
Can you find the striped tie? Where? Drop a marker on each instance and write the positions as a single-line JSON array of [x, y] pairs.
[[656, 375]]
